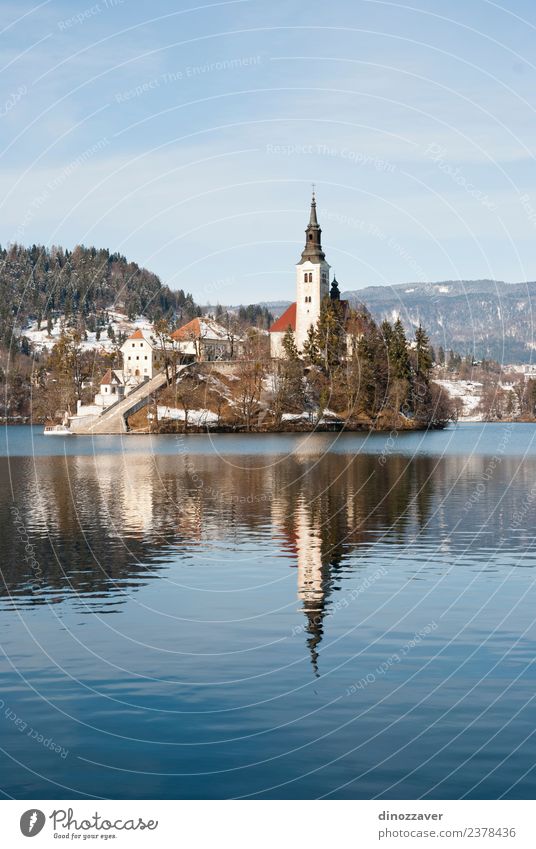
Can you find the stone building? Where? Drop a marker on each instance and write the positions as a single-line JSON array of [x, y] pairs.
[[312, 286]]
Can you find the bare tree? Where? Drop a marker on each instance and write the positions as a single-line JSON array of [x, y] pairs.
[[251, 372], [162, 339]]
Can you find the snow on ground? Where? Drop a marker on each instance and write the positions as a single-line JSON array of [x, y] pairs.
[[41, 340], [196, 417], [294, 417], [470, 394]]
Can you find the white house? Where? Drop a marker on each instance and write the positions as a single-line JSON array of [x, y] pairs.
[[112, 388], [142, 358], [206, 339]]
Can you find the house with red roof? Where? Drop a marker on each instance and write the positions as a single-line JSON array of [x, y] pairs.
[[142, 357], [112, 388], [204, 339]]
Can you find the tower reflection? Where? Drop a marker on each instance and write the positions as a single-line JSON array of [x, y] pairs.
[[104, 525]]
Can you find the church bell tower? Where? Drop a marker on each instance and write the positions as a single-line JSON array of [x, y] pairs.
[[312, 279]]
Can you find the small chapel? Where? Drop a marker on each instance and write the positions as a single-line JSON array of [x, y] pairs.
[[312, 286]]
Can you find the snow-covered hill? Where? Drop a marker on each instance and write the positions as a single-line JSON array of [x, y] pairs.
[[470, 394], [120, 323]]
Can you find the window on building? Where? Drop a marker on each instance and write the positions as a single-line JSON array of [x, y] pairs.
[[145, 356]]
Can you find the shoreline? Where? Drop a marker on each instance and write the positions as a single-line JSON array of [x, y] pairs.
[[335, 427]]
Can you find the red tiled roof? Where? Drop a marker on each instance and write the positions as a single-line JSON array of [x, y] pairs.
[[109, 377], [192, 330], [137, 334], [202, 328], [288, 319]]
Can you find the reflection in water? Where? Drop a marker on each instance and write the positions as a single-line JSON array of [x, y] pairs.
[[237, 631], [102, 526]]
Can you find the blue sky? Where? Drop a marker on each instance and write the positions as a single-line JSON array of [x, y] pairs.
[[187, 136]]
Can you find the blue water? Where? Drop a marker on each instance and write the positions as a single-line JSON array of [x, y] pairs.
[[287, 616]]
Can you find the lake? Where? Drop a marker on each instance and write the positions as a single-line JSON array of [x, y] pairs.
[[269, 616]]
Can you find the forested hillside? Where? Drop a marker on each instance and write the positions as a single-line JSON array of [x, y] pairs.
[[40, 283]]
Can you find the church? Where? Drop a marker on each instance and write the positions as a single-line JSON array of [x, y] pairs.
[[312, 286]]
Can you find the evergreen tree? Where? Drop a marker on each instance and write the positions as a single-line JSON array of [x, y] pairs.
[[373, 361], [330, 335], [423, 356], [422, 396], [399, 361], [310, 348], [387, 334], [289, 345]]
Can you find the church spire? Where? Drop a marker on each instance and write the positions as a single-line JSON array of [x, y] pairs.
[[312, 251], [313, 221]]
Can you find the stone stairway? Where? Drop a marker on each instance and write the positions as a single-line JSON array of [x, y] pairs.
[[114, 418]]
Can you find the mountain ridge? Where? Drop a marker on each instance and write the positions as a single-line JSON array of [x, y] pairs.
[[483, 318]]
